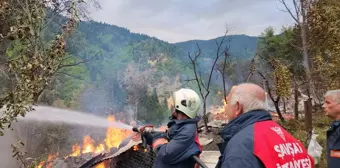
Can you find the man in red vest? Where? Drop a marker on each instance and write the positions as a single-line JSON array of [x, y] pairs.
[[252, 139]]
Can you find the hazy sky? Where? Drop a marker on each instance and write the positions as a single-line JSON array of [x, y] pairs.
[[181, 20]]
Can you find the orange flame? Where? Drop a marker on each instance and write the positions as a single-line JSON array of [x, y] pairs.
[[101, 165], [100, 148], [114, 136], [49, 162], [135, 148], [75, 150], [88, 145], [216, 109], [41, 164]]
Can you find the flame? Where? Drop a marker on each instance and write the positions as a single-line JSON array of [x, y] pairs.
[[88, 144], [41, 164], [75, 150], [224, 102], [216, 109], [101, 165], [114, 136], [135, 148], [49, 162], [100, 148]]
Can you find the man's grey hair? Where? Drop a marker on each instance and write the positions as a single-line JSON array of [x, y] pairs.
[[249, 101], [334, 94]]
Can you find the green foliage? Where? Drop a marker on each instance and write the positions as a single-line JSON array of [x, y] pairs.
[[108, 50], [324, 29], [31, 64], [242, 46], [152, 111], [283, 78], [276, 59]]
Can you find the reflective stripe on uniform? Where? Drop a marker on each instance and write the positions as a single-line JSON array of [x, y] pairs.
[[158, 142]]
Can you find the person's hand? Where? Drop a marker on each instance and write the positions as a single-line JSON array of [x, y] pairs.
[[151, 137], [159, 139], [163, 128], [148, 137], [136, 137]]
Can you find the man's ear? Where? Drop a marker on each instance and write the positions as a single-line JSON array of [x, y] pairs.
[[239, 108]]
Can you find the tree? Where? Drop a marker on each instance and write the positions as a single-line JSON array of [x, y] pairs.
[[222, 49], [323, 23], [145, 91], [273, 70], [31, 61], [223, 69], [299, 14], [292, 55]]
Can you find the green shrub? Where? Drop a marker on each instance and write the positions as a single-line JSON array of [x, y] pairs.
[[321, 124]]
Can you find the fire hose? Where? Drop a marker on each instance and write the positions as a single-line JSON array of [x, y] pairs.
[[149, 129]]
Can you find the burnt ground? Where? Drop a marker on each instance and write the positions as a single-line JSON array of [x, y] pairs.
[[213, 134]]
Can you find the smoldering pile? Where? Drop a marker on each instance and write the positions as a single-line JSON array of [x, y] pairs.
[[130, 154]]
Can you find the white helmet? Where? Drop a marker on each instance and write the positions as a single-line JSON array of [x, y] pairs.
[[187, 101]]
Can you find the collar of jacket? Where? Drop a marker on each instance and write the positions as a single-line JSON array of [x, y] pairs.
[[334, 125], [239, 123], [180, 122]]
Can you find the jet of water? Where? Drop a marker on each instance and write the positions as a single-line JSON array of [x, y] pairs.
[[56, 115]]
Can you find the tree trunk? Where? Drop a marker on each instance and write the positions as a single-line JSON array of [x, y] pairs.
[[284, 106], [136, 112], [308, 118], [205, 118], [296, 103], [306, 60], [36, 98], [276, 103]]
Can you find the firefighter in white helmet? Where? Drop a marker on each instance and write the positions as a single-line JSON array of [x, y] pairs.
[[176, 147]]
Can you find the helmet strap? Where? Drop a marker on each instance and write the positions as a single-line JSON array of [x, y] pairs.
[[173, 116]]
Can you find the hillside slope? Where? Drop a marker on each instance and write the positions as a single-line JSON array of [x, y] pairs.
[[126, 63], [241, 46]]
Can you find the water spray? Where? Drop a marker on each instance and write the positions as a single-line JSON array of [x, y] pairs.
[[52, 115]]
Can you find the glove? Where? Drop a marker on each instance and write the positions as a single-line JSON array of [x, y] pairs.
[[156, 139], [159, 139]]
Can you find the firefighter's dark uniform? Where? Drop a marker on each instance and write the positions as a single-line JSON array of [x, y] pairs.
[[333, 145]]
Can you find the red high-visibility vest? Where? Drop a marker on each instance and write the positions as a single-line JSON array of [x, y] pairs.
[[199, 146], [276, 148], [198, 142]]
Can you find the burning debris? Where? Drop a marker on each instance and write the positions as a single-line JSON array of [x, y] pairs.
[[119, 149], [129, 154], [89, 149]]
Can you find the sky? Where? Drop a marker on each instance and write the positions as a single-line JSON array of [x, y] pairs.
[[182, 20]]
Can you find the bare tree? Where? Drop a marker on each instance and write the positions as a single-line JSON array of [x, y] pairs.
[[276, 100], [299, 14], [226, 64], [204, 87]]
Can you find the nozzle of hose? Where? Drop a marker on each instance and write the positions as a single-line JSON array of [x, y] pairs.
[[135, 129]]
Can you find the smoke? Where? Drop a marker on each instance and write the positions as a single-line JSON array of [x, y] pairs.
[[239, 74], [6, 152]]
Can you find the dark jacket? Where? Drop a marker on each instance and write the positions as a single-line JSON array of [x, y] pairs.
[[333, 145], [238, 136], [181, 147]]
